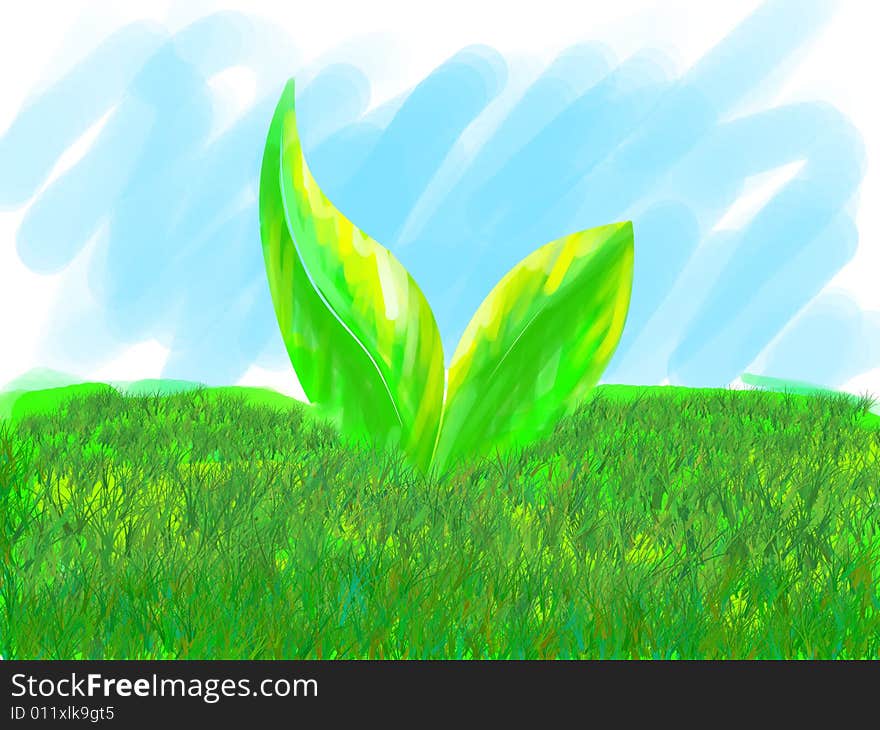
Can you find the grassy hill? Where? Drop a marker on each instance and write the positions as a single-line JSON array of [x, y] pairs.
[[228, 523]]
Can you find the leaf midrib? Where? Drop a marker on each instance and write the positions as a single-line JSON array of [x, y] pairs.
[[510, 348], [324, 300]]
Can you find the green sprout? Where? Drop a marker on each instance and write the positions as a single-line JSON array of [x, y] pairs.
[[365, 346]]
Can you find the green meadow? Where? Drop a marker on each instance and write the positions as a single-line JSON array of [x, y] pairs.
[[230, 523]]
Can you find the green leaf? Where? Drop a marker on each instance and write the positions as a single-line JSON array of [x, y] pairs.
[[537, 343], [359, 332]]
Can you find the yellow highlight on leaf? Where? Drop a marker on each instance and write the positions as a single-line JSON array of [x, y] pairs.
[[365, 346]]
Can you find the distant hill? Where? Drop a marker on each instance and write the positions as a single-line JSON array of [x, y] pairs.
[[156, 386], [40, 379]]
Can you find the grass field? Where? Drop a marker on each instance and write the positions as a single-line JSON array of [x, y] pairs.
[[227, 523]]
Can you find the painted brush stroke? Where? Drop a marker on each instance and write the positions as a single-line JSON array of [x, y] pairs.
[[162, 191]]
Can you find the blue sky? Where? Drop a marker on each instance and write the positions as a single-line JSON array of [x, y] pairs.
[[160, 213]]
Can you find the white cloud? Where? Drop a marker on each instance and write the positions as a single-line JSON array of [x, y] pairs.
[[283, 381], [138, 362], [869, 383]]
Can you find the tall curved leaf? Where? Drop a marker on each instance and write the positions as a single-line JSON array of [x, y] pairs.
[[359, 332], [537, 343]]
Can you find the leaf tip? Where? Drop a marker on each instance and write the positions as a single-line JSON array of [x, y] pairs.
[[626, 227]]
